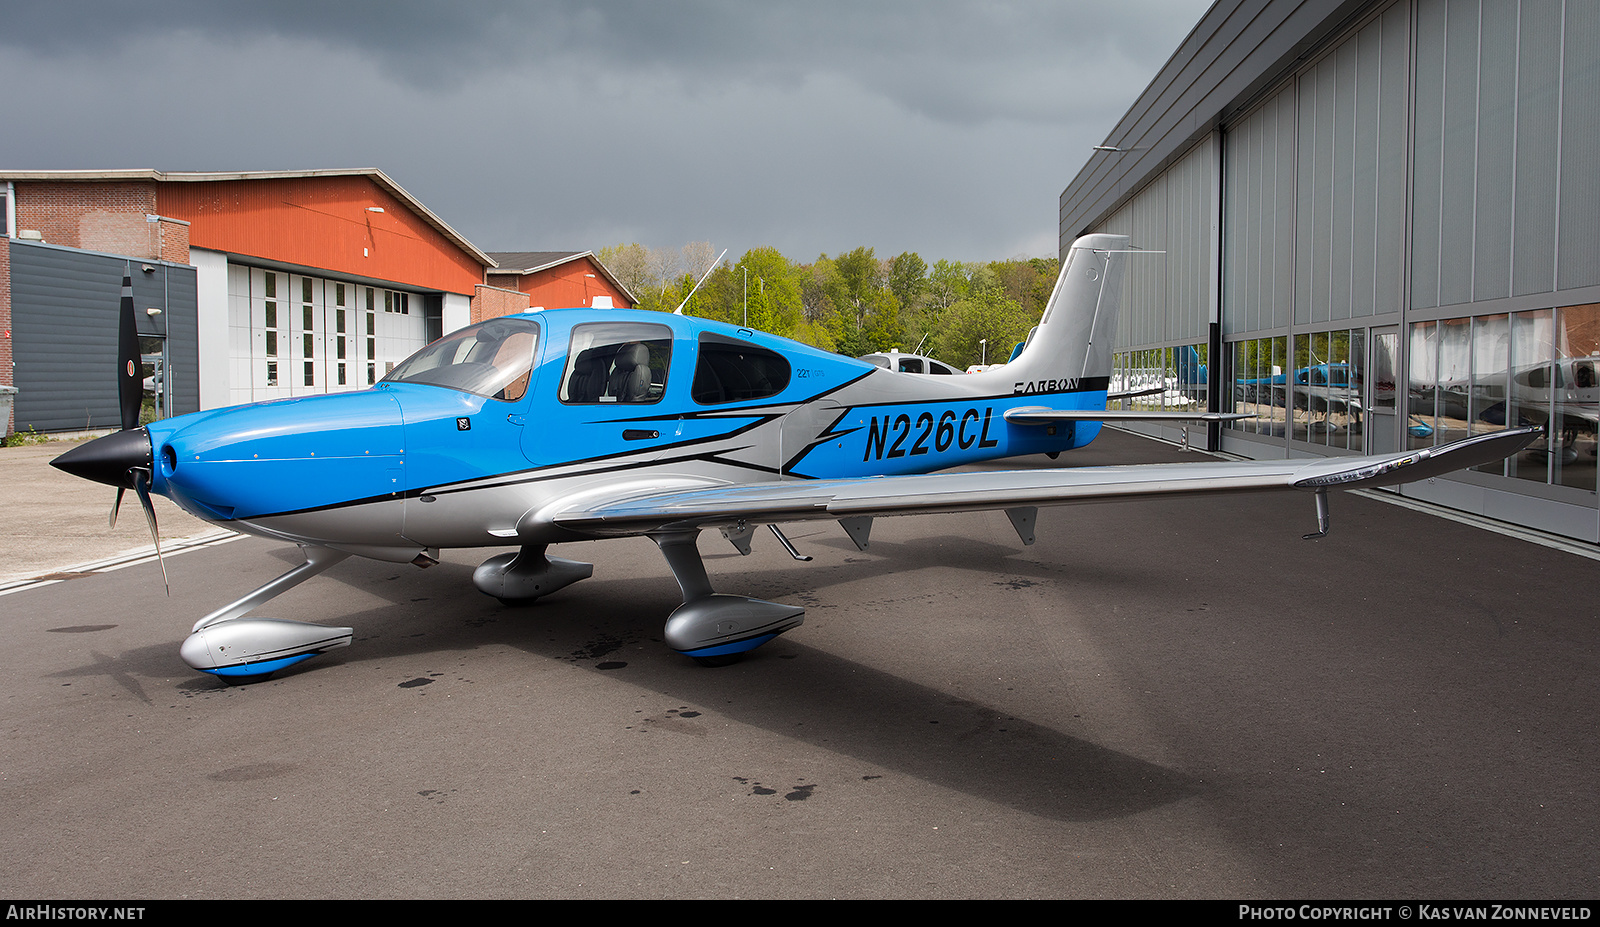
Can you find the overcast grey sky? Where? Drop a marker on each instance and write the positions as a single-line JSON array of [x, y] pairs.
[[948, 129]]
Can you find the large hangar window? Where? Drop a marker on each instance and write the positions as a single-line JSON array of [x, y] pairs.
[[1310, 388], [1539, 367], [1164, 378]]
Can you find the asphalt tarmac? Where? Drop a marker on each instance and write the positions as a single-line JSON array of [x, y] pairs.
[[1175, 699]]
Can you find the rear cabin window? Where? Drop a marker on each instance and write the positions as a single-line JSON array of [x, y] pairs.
[[617, 362], [734, 371]]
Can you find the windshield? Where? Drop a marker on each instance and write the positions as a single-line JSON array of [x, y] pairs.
[[492, 359]]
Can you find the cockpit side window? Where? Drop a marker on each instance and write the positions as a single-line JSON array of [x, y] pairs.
[[734, 371], [617, 362], [493, 359]]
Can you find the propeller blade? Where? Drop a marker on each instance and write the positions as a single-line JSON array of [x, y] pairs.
[[115, 506], [130, 382], [141, 485]]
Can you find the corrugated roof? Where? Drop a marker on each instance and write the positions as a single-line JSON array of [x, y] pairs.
[[529, 262]]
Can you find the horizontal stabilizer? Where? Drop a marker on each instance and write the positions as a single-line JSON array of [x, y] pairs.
[[690, 509], [1135, 393], [1038, 415]]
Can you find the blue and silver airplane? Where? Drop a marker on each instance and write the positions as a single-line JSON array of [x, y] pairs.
[[564, 425]]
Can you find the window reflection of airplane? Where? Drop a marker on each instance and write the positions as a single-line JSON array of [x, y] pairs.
[[1191, 374], [1324, 389], [1563, 398], [1320, 388], [1328, 390], [570, 425]]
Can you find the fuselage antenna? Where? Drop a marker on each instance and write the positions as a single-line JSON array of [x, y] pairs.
[[679, 310]]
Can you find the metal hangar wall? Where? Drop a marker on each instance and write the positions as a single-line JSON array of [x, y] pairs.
[[1375, 226]]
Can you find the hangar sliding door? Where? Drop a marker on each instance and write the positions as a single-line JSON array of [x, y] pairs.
[[297, 335]]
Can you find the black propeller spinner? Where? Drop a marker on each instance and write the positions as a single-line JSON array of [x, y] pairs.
[[122, 459]]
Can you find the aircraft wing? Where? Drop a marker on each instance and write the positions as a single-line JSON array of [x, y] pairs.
[[636, 511]]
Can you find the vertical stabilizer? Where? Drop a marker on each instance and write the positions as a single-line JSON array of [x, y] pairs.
[[1077, 331]]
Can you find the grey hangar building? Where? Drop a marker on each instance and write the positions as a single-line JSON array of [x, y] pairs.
[[1371, 226]]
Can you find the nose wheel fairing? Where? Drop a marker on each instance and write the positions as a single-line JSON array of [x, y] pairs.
[[245, 647], [229, 645]]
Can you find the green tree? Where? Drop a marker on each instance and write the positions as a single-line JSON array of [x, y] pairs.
[[1027, 281], [947, 285], [718, 297], [983, 316], [908, 279], [816, 334], [820, 287], [853, 303], [770, 287], [631, 265], [859, 277], [881, 324]]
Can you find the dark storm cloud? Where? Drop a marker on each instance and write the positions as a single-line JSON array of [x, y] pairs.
[[951, 60], [942, 127]]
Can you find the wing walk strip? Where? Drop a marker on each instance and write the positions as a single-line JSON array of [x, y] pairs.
[[130, 558], [679, 510]]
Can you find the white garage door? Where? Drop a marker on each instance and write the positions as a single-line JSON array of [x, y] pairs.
[[294, 335]]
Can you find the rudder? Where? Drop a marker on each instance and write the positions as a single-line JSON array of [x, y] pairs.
[[1076, 333]]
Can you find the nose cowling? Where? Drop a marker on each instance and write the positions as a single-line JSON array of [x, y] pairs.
[[111, 459]]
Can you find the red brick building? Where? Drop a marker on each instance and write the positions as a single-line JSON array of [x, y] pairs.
[[557, 279], [252, 285]]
